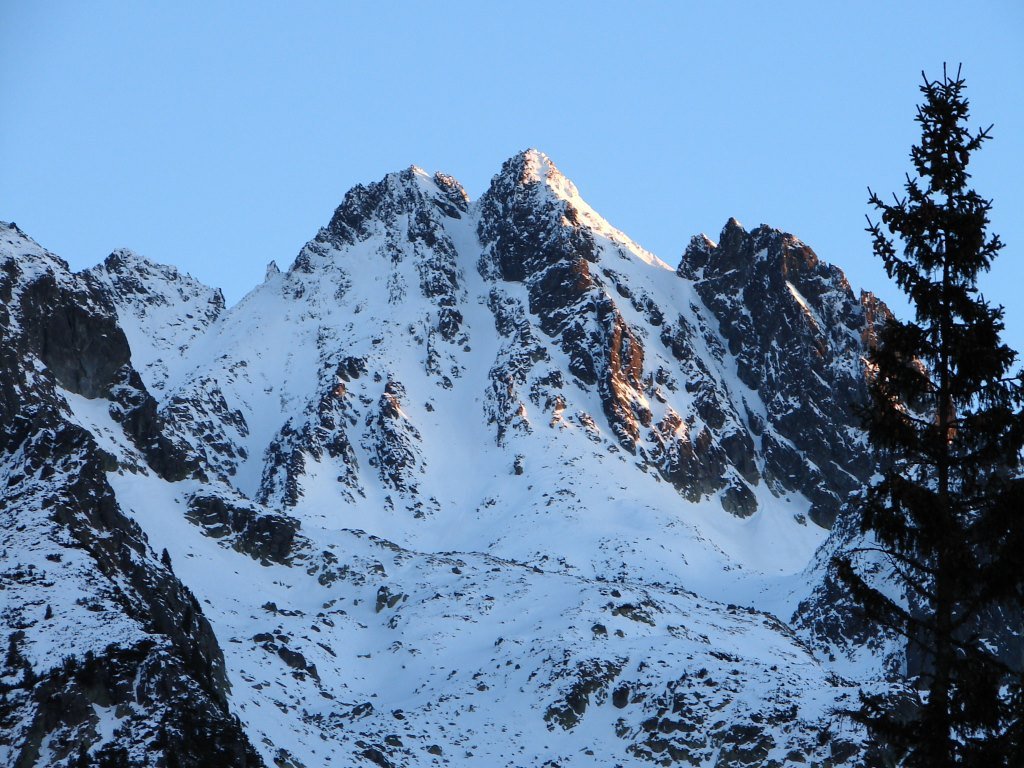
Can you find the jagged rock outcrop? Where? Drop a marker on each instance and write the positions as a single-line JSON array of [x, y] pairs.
[[392, 441], [160, 309], [70, 328], [264, 537], [797, 334], [123, 668], [468, 482], [323, 433], [537, 238]]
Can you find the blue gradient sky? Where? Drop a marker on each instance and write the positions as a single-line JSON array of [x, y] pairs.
[[219, 136]]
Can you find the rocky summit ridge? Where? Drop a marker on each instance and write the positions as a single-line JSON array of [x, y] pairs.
[[471, 482]]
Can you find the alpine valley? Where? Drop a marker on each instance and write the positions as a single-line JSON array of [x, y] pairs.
[[470, 483]]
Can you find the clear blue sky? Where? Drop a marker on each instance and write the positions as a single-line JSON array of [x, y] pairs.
[[218, 136]]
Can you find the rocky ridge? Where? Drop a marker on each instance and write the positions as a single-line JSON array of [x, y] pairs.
[[129, 643], [490, 482]]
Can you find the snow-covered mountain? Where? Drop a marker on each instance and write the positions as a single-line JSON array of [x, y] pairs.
[[471, 483]]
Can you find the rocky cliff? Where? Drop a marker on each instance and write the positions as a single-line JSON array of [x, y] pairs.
[[469, 482]]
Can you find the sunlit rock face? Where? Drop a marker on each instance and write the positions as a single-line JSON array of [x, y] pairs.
[[469, 482]]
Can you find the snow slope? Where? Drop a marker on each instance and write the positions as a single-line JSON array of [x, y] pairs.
[[485, 482]]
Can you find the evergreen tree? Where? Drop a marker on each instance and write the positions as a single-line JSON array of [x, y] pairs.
[[947, 507]]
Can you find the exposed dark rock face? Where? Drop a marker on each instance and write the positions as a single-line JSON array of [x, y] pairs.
[[322, 433], [519, 346], [366, 207], [591, 679], [264, 537], [531, 237], [677, 732], [201, 418], [73, 331], [136, 410], [721, 456], [165, 677], [790, 323], [829, 617], [404, 207], [393, 441], [162, 713], [695, 464], [71, 326], [128, 276], [151, 655], [521, 349], [797, 334]]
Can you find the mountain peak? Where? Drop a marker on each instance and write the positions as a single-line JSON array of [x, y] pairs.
[[160, 308], [410, 177], [122, 260], [29, 258], [529, 182], [732, 236], [14, 241], [738, 249], [398, 193], [537, 166], [131, 273], [532, 167], [507, 393]]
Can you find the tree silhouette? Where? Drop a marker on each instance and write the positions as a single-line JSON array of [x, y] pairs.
[[946, 510]]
